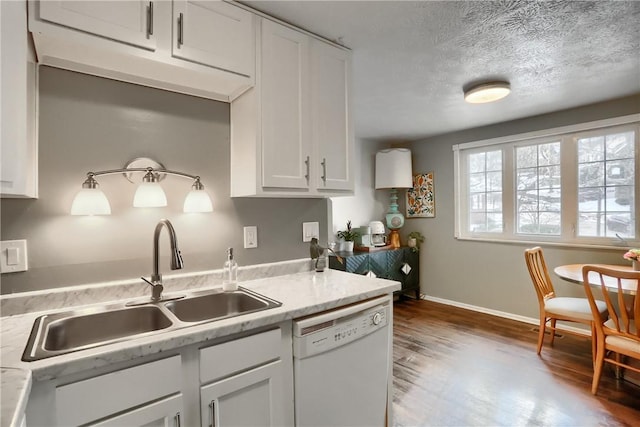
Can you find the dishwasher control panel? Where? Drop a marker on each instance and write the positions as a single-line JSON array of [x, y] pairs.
[[313, 338]]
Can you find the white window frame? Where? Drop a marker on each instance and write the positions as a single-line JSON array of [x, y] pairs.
[[568, 136]]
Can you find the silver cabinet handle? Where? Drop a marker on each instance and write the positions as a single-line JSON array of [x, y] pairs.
[[306, 162], [180, 29], [324, 169], [150, 19], [212, 406], [177, 419]]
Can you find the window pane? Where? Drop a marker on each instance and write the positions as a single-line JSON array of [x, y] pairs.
[[539, 197], [477, 162], [591, 174], [527, 156], [619, 146], [591, 149], [494, 161], [606, 185]]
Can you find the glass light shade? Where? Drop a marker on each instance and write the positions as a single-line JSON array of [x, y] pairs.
[[149, 195], [487, 92], [197, 201], [90, 201], [393, 168]]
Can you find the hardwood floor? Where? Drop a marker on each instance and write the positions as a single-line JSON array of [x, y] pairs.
[[455, 367]]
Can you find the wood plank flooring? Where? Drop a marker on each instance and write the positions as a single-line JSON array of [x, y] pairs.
[[455, 367]]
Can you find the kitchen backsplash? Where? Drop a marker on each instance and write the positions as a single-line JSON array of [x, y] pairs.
[[90, 123]]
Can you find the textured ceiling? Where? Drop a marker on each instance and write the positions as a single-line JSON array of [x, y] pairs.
[[411, 60]]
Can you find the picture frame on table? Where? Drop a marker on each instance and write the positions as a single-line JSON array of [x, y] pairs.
[[421, 198]]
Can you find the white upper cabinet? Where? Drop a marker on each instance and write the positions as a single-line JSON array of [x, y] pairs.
[[125, 21], [285, 113], [332, 125], [291, 134], [215, 34], [18, 85], [137, 42]]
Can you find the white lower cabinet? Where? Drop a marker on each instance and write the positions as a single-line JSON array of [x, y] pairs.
[[132, 396], [247, 399], [164, 413], [242, 380]]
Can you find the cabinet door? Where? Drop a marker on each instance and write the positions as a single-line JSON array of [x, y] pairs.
[[18, 85], [395, 262], [378, 264], [214, 33], [412, 278], [247, 399], [130, 21], [284, 107], [331, 115], [164, 413]]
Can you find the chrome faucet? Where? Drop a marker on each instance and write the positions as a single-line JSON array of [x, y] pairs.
[[176, 258]]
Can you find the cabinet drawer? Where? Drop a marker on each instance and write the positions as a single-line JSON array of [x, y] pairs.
[[98, 397], [224, 359]]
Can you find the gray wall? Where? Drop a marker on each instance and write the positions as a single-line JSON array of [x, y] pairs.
[[493, 275], [89, 123]]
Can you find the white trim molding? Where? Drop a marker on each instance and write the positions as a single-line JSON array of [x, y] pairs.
[[504, 314]]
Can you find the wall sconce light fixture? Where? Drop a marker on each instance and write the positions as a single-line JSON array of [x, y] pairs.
[[90, 200]]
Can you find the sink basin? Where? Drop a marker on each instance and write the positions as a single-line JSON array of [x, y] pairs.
[[69, 331], [76, 330], [219, 305]]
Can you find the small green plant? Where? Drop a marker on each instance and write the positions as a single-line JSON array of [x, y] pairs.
[[419, 238], [347, 235]]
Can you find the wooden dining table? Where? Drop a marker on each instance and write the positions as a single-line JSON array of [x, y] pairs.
[[573, 273]]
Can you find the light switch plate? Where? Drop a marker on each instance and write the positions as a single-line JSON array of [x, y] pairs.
[[250, 237], [309, 230], [13, 256]]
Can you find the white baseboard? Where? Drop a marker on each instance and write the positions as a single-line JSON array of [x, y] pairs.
[[504, 314]]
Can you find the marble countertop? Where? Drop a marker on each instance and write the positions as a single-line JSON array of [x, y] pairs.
[[301, 294]]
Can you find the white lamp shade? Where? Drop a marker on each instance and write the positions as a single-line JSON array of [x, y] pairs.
[[149, 195], [90, 201], [197, 201], [393, 168]]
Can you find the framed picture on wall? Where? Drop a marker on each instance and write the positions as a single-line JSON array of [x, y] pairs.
[[420, 199]]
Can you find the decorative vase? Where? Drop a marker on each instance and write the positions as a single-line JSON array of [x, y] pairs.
[[412, 242], [347, 246], [636, 265]]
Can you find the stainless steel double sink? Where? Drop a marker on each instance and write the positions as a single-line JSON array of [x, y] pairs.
[[69, 331]]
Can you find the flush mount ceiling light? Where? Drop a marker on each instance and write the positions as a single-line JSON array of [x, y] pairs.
[[92, 201], [487, 92]]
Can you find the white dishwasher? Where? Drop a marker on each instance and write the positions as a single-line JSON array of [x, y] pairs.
[[342, 366]]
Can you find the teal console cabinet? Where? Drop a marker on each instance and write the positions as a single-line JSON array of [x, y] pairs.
[[400, 264]]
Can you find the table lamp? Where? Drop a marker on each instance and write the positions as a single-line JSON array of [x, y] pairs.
[[393, 170]]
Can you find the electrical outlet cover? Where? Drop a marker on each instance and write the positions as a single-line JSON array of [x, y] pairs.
[[250, 237], [13, 256], [310, 230]]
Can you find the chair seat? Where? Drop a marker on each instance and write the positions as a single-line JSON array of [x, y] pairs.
[[628, 344], [575, 308]]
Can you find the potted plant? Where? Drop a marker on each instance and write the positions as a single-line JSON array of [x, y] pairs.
[[348, 236], [633, 255], [414, 241]]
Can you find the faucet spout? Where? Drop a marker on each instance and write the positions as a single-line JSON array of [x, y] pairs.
[[176, 257]]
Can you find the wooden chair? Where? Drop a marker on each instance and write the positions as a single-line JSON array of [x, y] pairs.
[[554, 308], [621, 333]]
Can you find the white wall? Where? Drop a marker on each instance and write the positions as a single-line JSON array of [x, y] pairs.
[[367, 204]]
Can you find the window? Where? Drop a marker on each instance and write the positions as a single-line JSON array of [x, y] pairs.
[[575, 185], [485, 191], [538, 190]]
